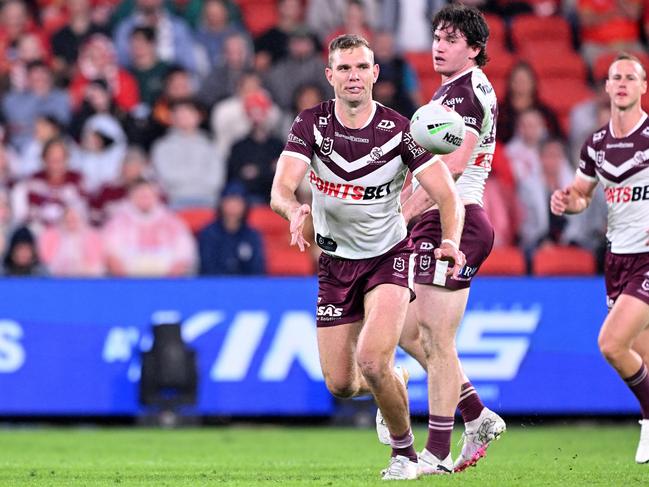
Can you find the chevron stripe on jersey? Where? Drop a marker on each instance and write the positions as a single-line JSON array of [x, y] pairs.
[[621, 165]]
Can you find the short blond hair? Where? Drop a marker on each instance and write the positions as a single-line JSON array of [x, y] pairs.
[[348, 41]]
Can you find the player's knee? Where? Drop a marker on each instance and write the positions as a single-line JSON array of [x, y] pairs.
[[610, 348], [374, 370], [342, 389]]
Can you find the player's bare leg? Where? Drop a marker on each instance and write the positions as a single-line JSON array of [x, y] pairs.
[[625, 323], [337, 348], [439, 313], [385, 312]]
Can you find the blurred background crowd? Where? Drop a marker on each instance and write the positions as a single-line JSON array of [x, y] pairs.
[[139, 137]]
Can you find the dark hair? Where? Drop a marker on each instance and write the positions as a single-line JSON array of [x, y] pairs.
[[347, 41], [470, 22], [147, 32], [53, 142], [625, 56]]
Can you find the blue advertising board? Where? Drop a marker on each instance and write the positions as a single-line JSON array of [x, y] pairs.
[[73, 346]]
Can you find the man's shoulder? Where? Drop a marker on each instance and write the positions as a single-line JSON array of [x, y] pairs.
[[319, 114], [596, 137]]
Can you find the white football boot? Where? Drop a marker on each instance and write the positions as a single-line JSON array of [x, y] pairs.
[[642, 453], [381, 427], [400, 468], [477, 436], [429, 464]]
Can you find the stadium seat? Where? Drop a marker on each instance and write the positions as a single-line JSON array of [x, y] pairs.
[[530, 29], [552, 62], [267, 221], [504, 261], [196, 218], [562, 260], [258, 15], [500, 63], [284, 260], [497, 32], [562, 95]]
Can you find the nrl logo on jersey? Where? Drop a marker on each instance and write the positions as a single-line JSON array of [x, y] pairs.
[[597, 136], [327, 146], [386, 125], [600, 158]]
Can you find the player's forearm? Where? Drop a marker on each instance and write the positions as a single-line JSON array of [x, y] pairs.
[[416, 204], [577, 202], [451, 212], [283, 201]]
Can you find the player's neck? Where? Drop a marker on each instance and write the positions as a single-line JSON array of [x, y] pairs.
[[354, 117], [467, 67], [624, 121]]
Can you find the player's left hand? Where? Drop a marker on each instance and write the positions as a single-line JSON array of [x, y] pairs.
[[455, 257], [298, 217]]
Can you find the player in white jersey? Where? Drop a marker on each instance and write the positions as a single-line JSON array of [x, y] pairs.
[[617, 156], [460, 36], [356, 154]]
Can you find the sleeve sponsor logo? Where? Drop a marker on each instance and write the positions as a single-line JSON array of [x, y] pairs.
[[470, 120], [411, 145], [597, 136], [294, 139]]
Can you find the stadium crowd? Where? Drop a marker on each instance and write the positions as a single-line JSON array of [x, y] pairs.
[[139, 137]]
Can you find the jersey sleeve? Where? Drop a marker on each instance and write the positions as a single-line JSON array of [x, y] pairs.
[[301, 140], [467, 104], [587, 161], [413, 155]]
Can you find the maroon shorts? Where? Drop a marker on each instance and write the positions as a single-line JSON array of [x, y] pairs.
[[477, 242], [626, 274], [343, 283]]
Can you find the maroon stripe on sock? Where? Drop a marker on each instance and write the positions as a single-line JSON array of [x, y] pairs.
[[470, 405], [439, 438], [404, 445], [639, 385]]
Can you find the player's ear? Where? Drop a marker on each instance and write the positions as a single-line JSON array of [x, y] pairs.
[[329, 75], [376, 71], [474, 53]]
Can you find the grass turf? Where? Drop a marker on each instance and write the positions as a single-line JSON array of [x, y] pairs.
[[263, 455]]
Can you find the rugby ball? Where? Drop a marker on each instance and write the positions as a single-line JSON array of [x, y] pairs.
[[437, 128]]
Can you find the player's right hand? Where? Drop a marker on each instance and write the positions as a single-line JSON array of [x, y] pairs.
[[559, 201], [298, 217], [453, 255]]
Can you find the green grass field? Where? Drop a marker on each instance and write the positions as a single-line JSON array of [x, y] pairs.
[[270, 455]]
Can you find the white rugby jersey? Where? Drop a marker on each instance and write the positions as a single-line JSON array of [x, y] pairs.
[[471, 95], [356, 176], [622, 166]]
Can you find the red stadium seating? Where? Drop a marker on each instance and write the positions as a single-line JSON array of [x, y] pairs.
[[196, 218], [504, 261], [267, 221], [497, 32], [551, 62], [531, 29], [559, 260], [562, 95], [282, 260], [258, 15]]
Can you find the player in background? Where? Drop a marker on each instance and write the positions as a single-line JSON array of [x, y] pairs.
[[356, 154], [617, 156], [460, 36]]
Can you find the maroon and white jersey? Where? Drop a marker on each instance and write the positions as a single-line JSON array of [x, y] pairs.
[[356, 176], [622, 166], [471, 95]]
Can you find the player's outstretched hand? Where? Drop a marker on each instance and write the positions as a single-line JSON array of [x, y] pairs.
[[451, 253], [559, 201], [298, 216]]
